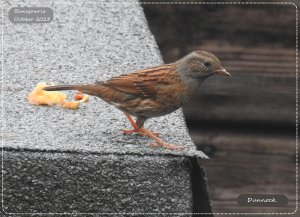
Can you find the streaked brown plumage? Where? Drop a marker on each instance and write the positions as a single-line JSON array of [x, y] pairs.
[[154, 91]]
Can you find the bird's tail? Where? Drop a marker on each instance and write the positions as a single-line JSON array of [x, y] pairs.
[[91, 89]]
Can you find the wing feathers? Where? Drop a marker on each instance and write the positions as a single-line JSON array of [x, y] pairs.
[[143, 83]]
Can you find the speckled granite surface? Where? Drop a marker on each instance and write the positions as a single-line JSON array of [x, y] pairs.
[[85, 42], [47, 146], [103, 184]]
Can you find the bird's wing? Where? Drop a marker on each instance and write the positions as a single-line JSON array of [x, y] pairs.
[[143, 83]]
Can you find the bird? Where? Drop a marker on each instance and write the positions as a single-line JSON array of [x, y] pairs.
[[153, 91]]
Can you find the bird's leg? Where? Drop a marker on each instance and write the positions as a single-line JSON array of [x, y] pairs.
[[140, 122], [136, 126], [158, 142]]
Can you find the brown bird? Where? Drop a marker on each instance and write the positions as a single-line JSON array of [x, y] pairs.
[[154, 91]]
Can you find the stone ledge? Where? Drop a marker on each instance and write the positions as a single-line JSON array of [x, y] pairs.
[[37, 182]]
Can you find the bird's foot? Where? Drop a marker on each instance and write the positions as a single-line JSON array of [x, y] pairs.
[[154, 135], [125, 131], [139, 131], [166, 145]]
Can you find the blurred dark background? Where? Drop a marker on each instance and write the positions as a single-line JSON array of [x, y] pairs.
[[245, 123]]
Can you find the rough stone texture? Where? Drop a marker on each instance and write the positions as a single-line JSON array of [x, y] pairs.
[[59, 160], [85, 42], [105, 184]]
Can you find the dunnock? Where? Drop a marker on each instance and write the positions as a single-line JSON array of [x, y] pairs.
[[154, 91]]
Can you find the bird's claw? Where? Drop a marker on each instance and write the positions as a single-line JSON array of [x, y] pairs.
[[125, 131]]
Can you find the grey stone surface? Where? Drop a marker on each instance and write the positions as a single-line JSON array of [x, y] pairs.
[[103, 184], [87, 41], [58, 160]]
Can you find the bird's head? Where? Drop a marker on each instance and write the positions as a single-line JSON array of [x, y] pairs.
[[200, 65]]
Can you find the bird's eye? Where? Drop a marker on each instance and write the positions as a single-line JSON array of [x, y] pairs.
[[207, 64]]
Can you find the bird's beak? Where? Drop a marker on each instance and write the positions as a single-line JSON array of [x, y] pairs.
[[222, 71]]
